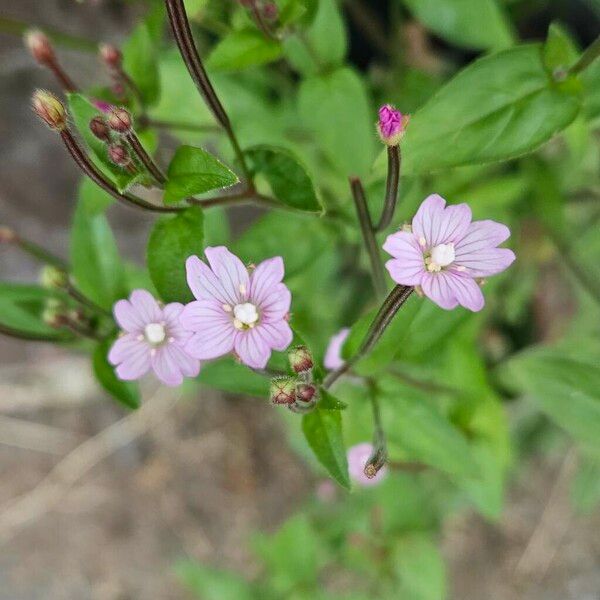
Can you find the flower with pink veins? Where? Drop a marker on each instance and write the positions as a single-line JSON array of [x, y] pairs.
[[236, 311], [152, 339], [446, 253], [333, 355], [358, 456]]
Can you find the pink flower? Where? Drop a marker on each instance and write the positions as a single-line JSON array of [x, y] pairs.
[[391, 125], [357, 459], [153, 338], [333, 355], [236, 311], [446, 252], [103, 106]]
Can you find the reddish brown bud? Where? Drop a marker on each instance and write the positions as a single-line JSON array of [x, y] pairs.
[[119, 154], [301, 359], [50, 109], [111, 55], [40, 47], [270, 11], [283, 390], [99, 127], [7, 235], [119, 120], [305, 392]]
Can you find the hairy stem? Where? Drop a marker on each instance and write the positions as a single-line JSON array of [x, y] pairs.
[[366, 227], [145, 158], [391, 305], [391, 188]]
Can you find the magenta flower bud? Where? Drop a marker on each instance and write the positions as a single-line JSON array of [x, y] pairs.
[[391, 125], [119, 154], [305, 393], [103, 106], [270, 11], [7, 235], [99, 127], [50, 109], [119, 120], [40, 47], [283, 390], [301, 359], [111, 55]]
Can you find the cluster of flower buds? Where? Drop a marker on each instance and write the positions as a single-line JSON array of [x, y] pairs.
[[391, 125], [108, 129], [297, 392]]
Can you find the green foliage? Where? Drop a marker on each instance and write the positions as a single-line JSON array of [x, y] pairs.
[[213, 584], [127, 393], [229, 376], [96, 264], [477, 24], [287, 178], [242, 49], [172, 240], [195, 171]]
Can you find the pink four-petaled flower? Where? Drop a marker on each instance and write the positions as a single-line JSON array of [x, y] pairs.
[[446, 252], [153, 339], [236, 310]]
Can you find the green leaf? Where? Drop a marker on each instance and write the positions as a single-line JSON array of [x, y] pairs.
[[511, 108], [585, 488], [336, 108], [287, 178], [228, 375], [172, 241], [96, 264], [323, 432], [239, 50], [560, 51], [213, 584], [22, 308], [567, 390], [476, 24], [195, 171], [140, 56], [329, 402], [125, 392], [82, 112]]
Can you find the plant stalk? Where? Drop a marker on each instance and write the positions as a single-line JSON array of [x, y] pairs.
[[391, 188], [379, 456], [590, 54], [145, 158]]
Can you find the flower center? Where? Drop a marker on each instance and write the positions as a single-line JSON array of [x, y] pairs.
[[245, 315], [155, 333], [441, 256]]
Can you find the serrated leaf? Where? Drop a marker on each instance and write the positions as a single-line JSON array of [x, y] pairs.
[[287, 178], [323, 432], [125, 392], [239, 50], [172, 240], [195, 171]]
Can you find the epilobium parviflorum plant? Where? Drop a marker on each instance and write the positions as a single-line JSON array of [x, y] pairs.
[[392, 298]]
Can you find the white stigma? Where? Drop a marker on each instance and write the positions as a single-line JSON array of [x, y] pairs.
[[245, 315], [442, 256], [155, 333]]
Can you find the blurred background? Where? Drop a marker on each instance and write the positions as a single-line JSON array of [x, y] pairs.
[[100, 504]]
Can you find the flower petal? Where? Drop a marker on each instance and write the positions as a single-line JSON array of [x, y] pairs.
[[408, 265], [146, 306], [213, 329], [467, 292], [252, 349], [125, 346], [439, 225], [205, 285], [482, 234], [278, 335], [134, 359], [128, 317], [333, 355], [172, 315], [438, 287], [171, 363], [486, 261], [276, 304], [231, 272], [265, 277]]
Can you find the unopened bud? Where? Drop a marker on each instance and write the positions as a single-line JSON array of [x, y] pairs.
[[301, 359], [270, 11], [111, 55], [53, 278], [119, 154], [40, 47], [283, 390], [54, 314], [99, 127], [119, 120], [7, 235], [391, 125], [50, 109], [305, 393]]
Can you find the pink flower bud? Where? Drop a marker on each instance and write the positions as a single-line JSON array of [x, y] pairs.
[[301, 359], [391, 125], [50, 109], [119, 120], [40, 47], [283, 390], [111, 55], [99, 127], [305, 393], [119, 154], [270, 11]]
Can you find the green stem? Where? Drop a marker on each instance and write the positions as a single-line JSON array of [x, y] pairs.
[[590, 54], [145, 158], [26, 335], [391, 188], [366, 227], [40, 253], [85, 301], [379, 456], [391, 305]]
